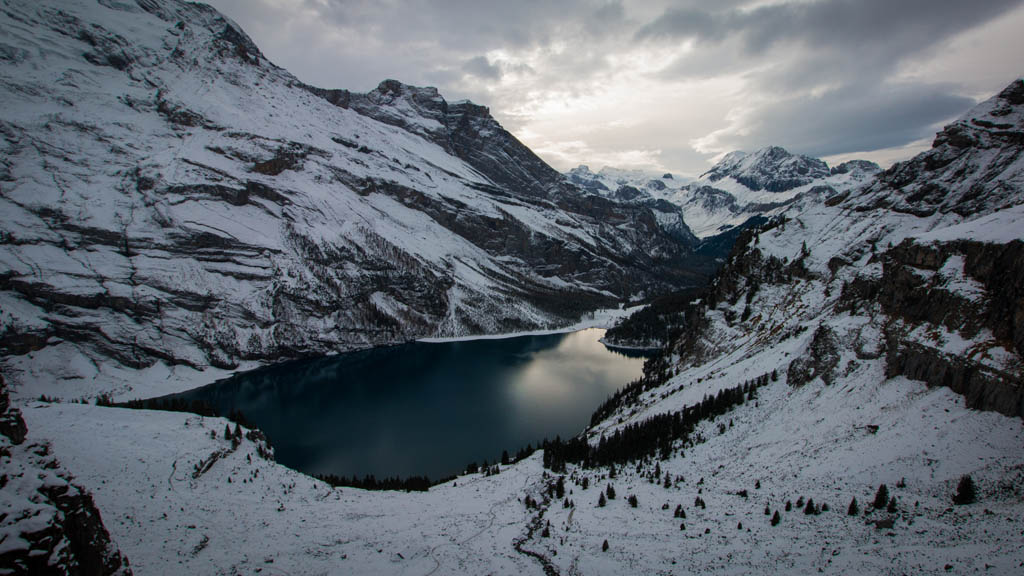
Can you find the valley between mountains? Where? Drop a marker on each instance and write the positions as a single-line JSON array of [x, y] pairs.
[[175, 208]]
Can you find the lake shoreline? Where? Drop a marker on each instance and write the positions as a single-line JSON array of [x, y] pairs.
[[604, 318], [383, 412]]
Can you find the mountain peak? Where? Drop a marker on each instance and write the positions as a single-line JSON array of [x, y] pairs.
[[771, 168]]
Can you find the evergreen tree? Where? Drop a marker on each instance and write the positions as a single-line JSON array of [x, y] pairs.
[[789, 506], [881, 498], [854, 508], [767, 510], [560, 487], [601, 501], [504, 457], [966, 493], [891, 508], [776, 518], [604, 547], [611, 492], [809, 509], [632, 500], [227, 431]]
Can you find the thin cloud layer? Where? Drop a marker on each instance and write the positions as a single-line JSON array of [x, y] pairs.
[[665, 85]]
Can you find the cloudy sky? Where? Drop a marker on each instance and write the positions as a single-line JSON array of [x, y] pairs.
[[662, 85]]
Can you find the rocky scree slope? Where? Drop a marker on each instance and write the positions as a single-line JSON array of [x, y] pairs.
[[170, 200]]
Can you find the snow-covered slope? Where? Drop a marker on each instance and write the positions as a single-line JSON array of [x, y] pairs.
[[739, 187], [173, 201]]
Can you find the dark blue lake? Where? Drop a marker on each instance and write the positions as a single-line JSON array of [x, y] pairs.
[[425, 408]]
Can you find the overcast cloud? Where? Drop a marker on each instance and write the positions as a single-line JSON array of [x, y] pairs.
[[666, 85]]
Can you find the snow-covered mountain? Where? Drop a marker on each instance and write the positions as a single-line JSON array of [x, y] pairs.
[[772, 168], [172, 201], [921, 265], [739, 187], [625, 184]]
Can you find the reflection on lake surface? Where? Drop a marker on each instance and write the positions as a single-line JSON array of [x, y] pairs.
[[425, 408]]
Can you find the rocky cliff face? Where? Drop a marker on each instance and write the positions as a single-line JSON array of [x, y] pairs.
[[962, 289], [49, 525], [172, 199]]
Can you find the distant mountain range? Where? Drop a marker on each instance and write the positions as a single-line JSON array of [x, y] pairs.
[[739, 187]]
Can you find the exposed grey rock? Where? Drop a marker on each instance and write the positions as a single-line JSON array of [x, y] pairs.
[[819, 360], [655, 185], [50, 525], [917, 298], [911, 291], [983, 387], [862, 166]]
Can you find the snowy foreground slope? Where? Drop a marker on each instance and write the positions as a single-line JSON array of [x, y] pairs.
[[48, 523], [894, 363], [739, 187], [172, 201]]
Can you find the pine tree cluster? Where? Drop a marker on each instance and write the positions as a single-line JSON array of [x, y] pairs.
[[654, 435], [370, 482]]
